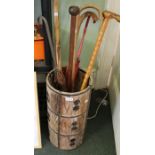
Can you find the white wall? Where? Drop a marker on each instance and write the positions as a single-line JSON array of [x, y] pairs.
[[114, 90], [108, 47]]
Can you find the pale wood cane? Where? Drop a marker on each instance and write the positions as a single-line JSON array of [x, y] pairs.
[[57, 34], [107, 15], [60, 78]]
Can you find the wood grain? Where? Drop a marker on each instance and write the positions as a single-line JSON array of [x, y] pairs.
[[66, 142], [68, 126], [57, 34], [74, 12], [107, 16], [67, 115], [68, 103]]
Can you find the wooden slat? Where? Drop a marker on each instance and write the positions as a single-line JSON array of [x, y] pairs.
[[67, 116], [68, 126], [66, 142]]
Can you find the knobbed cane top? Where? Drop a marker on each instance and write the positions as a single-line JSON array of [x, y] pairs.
[[74, 10]]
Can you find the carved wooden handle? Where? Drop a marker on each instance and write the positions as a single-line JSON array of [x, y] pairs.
[[109, 14]]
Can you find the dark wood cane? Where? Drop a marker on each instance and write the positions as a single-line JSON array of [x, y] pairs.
[[74, 12]]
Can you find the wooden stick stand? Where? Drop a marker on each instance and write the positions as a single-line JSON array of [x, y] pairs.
[[67, 114]]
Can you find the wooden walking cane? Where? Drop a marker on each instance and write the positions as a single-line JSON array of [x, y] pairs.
[[74, 12], [59, 74], [95, 16], [79, 19], [77, 62], [83, 36], [107, 16], [87, 15], [57, 35], [94, 13], [58, 77]]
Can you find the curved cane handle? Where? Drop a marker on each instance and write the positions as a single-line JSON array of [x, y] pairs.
[[110, 15], [107, 16], [91, 6], [83, 15]]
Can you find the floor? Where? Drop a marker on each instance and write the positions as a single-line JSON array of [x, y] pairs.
[[99, 137]]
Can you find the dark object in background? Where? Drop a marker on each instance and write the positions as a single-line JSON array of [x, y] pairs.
[[42, 100], [46, 12], [98, 96]]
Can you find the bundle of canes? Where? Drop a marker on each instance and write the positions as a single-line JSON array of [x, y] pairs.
[[76, 20], [59, 81], [107, 15]]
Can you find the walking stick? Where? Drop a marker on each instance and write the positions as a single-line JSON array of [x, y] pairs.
[[77, 62], [58, 77], [74, 12], [57, 35], [88, 15], [107, 16], [95, 16], [83, 36], [83, 16], [73, 63], [59, 73]]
